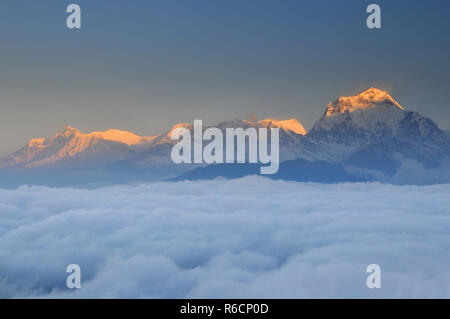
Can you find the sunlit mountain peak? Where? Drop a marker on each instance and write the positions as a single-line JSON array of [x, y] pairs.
[[370, 98], [287, 125], [124, 137]]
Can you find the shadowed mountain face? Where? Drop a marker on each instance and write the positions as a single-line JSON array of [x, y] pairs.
[[292, 170], [363, 137]]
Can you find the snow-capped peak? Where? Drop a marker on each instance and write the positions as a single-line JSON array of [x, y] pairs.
[[68, 131], [71, 142], [112, 135], [373, 112], [372, 117], [287, 125], [370, 98], [121, 137], [179, 125]]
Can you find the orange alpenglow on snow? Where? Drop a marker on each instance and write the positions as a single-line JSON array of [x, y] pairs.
[[112, 135], [121, 137], [287, 125], [367, 99], [179, 125], [71, 142]]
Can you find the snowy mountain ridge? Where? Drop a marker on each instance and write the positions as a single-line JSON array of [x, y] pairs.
[[353, 129]]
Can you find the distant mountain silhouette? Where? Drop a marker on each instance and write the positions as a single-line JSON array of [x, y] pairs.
[[292, 170]]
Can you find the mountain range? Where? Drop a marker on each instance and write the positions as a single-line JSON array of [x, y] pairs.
[[365, 137]]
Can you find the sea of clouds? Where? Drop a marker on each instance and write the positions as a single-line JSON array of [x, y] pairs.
[[251, 238]]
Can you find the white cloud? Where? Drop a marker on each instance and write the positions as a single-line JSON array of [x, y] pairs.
[[413, 172], [251, 237]]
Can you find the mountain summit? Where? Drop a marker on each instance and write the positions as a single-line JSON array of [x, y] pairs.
[[77, 148], [371, 113], [370, 98], [291, 125], [351, 124]]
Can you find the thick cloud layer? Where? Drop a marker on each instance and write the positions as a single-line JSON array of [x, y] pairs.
[[251, 237]]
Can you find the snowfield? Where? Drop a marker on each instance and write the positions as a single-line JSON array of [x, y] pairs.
[[250, 237]]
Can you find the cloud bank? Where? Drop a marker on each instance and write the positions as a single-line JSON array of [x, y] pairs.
[[251, 237]]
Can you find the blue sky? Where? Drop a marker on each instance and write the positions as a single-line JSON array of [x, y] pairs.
[[146, 65]]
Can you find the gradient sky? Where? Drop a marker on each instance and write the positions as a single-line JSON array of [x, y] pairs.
[[146, 65]]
